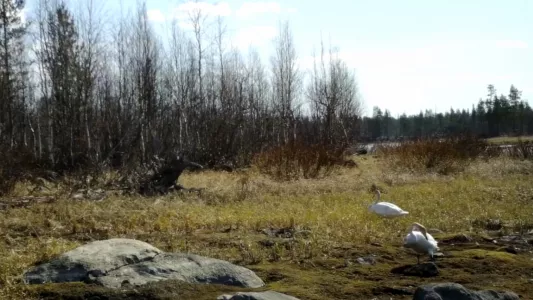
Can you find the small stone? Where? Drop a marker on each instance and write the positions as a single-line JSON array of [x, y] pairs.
[[366, 260], [511, 249], [78, 196], [449, 291], [268, 295]]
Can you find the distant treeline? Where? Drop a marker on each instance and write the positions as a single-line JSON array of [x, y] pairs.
[[492, 117]]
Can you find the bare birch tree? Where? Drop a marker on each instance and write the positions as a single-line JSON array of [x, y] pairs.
[[334, 97], [286, 81]]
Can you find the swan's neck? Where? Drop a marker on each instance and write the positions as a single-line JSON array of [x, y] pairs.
[[421, 229]]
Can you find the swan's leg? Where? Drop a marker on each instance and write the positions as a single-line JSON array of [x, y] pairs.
[[388, 223], [392, 224], [396, 225]]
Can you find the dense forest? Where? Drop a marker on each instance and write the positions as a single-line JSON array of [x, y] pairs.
[[494, 116], [78, 89]]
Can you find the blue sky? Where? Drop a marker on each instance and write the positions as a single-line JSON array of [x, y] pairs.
[[408, 55]]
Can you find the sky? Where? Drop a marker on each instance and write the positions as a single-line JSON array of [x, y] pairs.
[[408, 55]]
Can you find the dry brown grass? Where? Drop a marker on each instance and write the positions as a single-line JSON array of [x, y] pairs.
[[510, 139], [298, 159], [444, 156], [224, 221]]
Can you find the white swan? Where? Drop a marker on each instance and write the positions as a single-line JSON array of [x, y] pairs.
[[386, 209], [420, 241]]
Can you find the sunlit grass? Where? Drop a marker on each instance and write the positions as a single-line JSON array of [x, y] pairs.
[[333, 209], [509, 139]]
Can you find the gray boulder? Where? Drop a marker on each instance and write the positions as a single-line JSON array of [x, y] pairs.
[[117, 262], [268, 295], [93, 259], [455, 291], [185, 267]]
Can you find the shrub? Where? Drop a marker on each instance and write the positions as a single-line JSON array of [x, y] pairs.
[[297, 159], [444, 156], [519, 150], [17, 165], [522, 150]]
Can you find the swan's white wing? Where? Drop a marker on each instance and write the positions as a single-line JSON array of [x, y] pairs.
[[417, 241], [412, 238], [430, 237], [432, 240], [386, 208], [391, 205]]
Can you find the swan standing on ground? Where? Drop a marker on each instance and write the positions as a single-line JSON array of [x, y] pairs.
[[386, 209], [420, 241]]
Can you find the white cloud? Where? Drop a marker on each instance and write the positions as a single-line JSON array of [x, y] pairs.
[[155, 15], [185, 11], [250, 8], [219, 9], [511, 44], [408, 60], [480, 44], [291, 10], [185, 24], [257, 35], [414, 75]]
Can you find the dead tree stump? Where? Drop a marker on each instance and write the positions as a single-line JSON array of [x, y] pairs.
[[165, 179]]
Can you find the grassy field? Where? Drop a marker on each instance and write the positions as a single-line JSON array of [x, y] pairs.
[[509, 139], [226, 221]]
